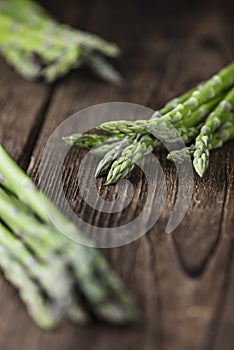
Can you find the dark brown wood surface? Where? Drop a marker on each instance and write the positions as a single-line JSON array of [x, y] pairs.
[[184, 282]]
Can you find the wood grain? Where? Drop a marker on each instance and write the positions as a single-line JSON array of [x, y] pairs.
[[183, 282]]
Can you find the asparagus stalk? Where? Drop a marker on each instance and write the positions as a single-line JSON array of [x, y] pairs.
[[39, 309], [200, 114], [98, 144], [130, 155], [25, 62], [30, 30], [216, 119], [226, 133], [222, 135], [88, 141], [192, 122], [60, 298], [106, 301], [186, 113], [43, 241], [92, 273], [32, 15], [99, 66], [212, 88], [110, 154], [161, 125], [169, 106], [105, 148], [124, 164]]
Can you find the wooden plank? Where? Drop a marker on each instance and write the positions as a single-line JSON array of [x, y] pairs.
[[22, 106], [224, 322]]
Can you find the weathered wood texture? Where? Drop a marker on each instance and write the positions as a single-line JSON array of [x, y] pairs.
[[184, 281]]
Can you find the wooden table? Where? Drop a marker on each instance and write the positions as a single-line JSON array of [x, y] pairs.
[[184, 282]]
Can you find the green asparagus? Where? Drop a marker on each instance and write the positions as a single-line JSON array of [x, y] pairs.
[[37, 46], [161, 125], [111, 155], [39, 309], [22, 211], [47, 276], [124, 164], [108, 152], [196, 114], [216, 119], [222, 135], [88, 141], [187, 129], [119, 158], [186, 116]]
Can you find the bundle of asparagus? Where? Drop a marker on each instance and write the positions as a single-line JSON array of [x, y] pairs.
[[38, 46], [53, 274], [203, 115]]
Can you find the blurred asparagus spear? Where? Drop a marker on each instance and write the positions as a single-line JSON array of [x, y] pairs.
[[38, 46], [57, 270]]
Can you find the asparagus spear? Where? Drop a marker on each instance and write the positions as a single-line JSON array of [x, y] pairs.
[[107, 301], [195, 105], [105, 148], [91, 270], [89, 141], [46, 241], [213, 87], [130, 155], [30, 30], [222, 135], [145, 127], [32, 15], [124, 164], [39, 309], [192, 121], [61, 298], [25, 62], [200, 114], [213, 122], [105, 164], [99, 66], [98, 144]]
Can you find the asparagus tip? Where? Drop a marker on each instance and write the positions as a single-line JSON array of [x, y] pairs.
[[200, 166]]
